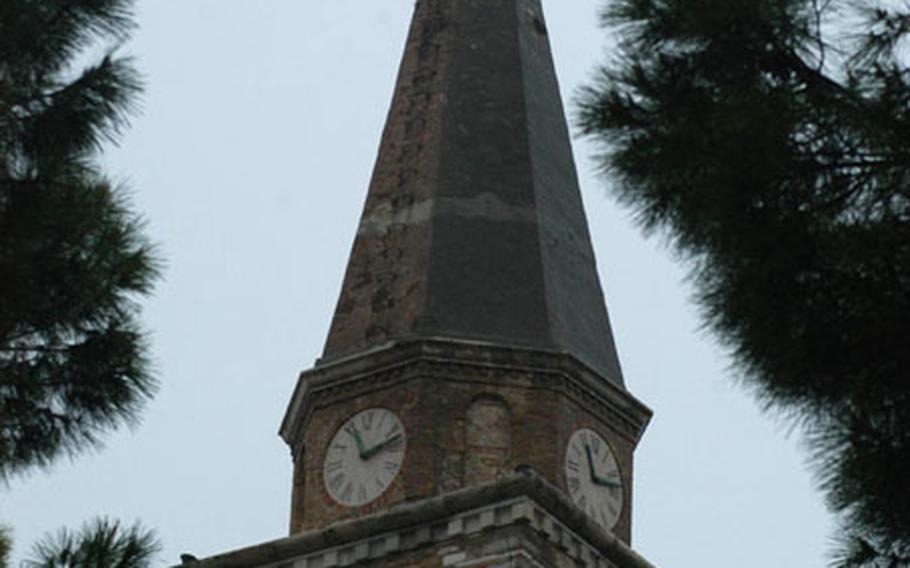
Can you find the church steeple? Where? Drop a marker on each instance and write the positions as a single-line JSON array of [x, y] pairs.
[[469, 408], [473, 227], [470, 358]]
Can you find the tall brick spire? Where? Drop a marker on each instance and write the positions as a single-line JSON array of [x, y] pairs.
[[473, 227]]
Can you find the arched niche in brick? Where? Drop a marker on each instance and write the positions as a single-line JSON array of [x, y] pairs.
[[488, 439]]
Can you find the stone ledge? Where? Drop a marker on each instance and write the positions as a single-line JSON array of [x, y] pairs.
[[524, 498]]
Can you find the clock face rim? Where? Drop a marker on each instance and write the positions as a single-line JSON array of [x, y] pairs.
[[341, 435], [588, 486]]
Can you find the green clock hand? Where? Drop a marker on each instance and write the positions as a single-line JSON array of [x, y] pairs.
[[611, 482], [361, 449], [380, 446]]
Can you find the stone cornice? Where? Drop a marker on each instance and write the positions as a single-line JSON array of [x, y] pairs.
[[459, 360], [524, 498]]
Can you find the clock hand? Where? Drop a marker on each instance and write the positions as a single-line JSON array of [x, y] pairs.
[[596, 479], [361, 450], [608, 482], [593, 473], [381, 446]]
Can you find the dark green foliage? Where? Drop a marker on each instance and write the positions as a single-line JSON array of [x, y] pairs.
[[770, 140], [6, 544], [859, 552], [99, 544], [73, 258]]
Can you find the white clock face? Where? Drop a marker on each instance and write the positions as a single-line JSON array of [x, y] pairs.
[[593, 478], [364, 457]]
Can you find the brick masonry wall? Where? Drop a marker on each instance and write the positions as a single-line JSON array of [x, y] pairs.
[[385, 286], [533, 420]]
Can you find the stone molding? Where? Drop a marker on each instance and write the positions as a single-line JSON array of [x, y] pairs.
[[457, 360], [523, 499]]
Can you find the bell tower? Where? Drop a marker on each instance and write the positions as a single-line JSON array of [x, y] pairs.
[[469, 408], [471, 315]]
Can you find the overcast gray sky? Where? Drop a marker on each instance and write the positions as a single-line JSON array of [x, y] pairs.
[[251, 161]]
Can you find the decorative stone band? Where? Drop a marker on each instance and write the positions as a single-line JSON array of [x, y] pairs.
[[450, 359], [521, 503]]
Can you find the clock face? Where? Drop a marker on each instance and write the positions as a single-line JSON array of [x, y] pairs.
[[364, 457], [593, 478]]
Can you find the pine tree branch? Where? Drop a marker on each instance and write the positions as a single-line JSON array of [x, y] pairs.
[[822, 51], [788, 188], [73, 253], [93, 108], [101, 543], [33, 350], [58, 417], [33, 383]]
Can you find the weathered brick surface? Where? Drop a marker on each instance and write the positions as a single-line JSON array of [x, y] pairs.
[[437, 415], [385, 287], [488, 440], [473, 226]]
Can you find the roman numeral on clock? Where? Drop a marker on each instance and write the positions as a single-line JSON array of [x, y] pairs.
[[336, 482], [574, 484]]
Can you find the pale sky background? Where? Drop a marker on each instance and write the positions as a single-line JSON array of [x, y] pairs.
[[251, 162]]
